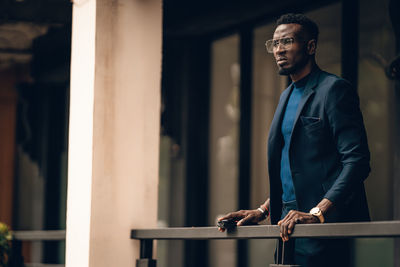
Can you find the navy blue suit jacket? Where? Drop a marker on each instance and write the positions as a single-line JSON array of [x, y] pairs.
[[328, 153]]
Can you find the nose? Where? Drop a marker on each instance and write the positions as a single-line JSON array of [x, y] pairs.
[[280, 48]]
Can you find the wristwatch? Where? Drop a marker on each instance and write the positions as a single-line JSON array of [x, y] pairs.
[[264, 210], [317, 213]]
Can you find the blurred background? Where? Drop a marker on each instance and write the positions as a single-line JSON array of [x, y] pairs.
[[35, 48], [219, 92]]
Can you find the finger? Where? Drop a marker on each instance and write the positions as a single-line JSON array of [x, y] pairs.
[[283, 220], [221, 229], [287, 217], [291, 214], [286, 231], [228, 216], [299, 220], [244, 221], [311, 219], [291, 226], [231, 215], [283, 231]]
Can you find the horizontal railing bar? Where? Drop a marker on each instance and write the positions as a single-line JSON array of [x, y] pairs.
[[50, 235], [327, 230]]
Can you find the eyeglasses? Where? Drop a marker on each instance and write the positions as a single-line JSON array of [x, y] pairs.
[[272, 45]]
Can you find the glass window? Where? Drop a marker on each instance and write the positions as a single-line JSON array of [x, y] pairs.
[[224, 142], [376, 50], [329, 47]]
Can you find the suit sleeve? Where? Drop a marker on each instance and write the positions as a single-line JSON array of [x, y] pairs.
[[348, 131]]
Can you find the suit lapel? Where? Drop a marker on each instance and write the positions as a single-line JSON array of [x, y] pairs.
[[308, 92], [273, 144]]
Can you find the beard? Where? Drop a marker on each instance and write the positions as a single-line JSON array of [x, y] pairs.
[[295, 67], [287, 71]]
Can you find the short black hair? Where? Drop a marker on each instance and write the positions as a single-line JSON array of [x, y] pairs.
[[309, 26]]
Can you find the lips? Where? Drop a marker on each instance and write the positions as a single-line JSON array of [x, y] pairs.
[[281, 61]]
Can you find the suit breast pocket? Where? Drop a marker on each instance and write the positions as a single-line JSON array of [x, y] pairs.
[[311, 123]]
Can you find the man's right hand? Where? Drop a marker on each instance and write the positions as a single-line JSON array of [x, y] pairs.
[[243, 217]]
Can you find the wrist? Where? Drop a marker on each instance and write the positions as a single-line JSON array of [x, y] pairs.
[[325, 205], [264, 210], [317, 213]]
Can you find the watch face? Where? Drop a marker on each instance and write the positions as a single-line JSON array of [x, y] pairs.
[[315, 211]]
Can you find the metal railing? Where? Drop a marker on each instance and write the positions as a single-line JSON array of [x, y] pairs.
[[328, 230], [388, 229], [17, 260]]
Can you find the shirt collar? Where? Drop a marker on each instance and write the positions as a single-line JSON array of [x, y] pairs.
[[302, 82]]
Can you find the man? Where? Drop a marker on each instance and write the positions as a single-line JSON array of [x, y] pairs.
[[318, 154]]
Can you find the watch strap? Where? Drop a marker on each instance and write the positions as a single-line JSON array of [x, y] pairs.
[[263, 210]]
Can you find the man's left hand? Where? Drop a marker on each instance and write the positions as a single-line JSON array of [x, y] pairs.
[[291, 219]]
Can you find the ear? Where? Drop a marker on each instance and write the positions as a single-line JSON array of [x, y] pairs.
[[311, 47]]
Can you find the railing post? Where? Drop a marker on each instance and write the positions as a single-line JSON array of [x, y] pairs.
[[281, 256], [146, 254]]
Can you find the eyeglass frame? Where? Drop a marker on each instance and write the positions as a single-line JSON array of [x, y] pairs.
[[286, 46]]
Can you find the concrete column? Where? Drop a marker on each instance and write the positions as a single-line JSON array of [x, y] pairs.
[[114, 129]]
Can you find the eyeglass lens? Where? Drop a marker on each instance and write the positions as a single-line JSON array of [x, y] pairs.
[[272, 45]]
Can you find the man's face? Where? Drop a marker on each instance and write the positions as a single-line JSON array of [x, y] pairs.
[[293, 59]]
